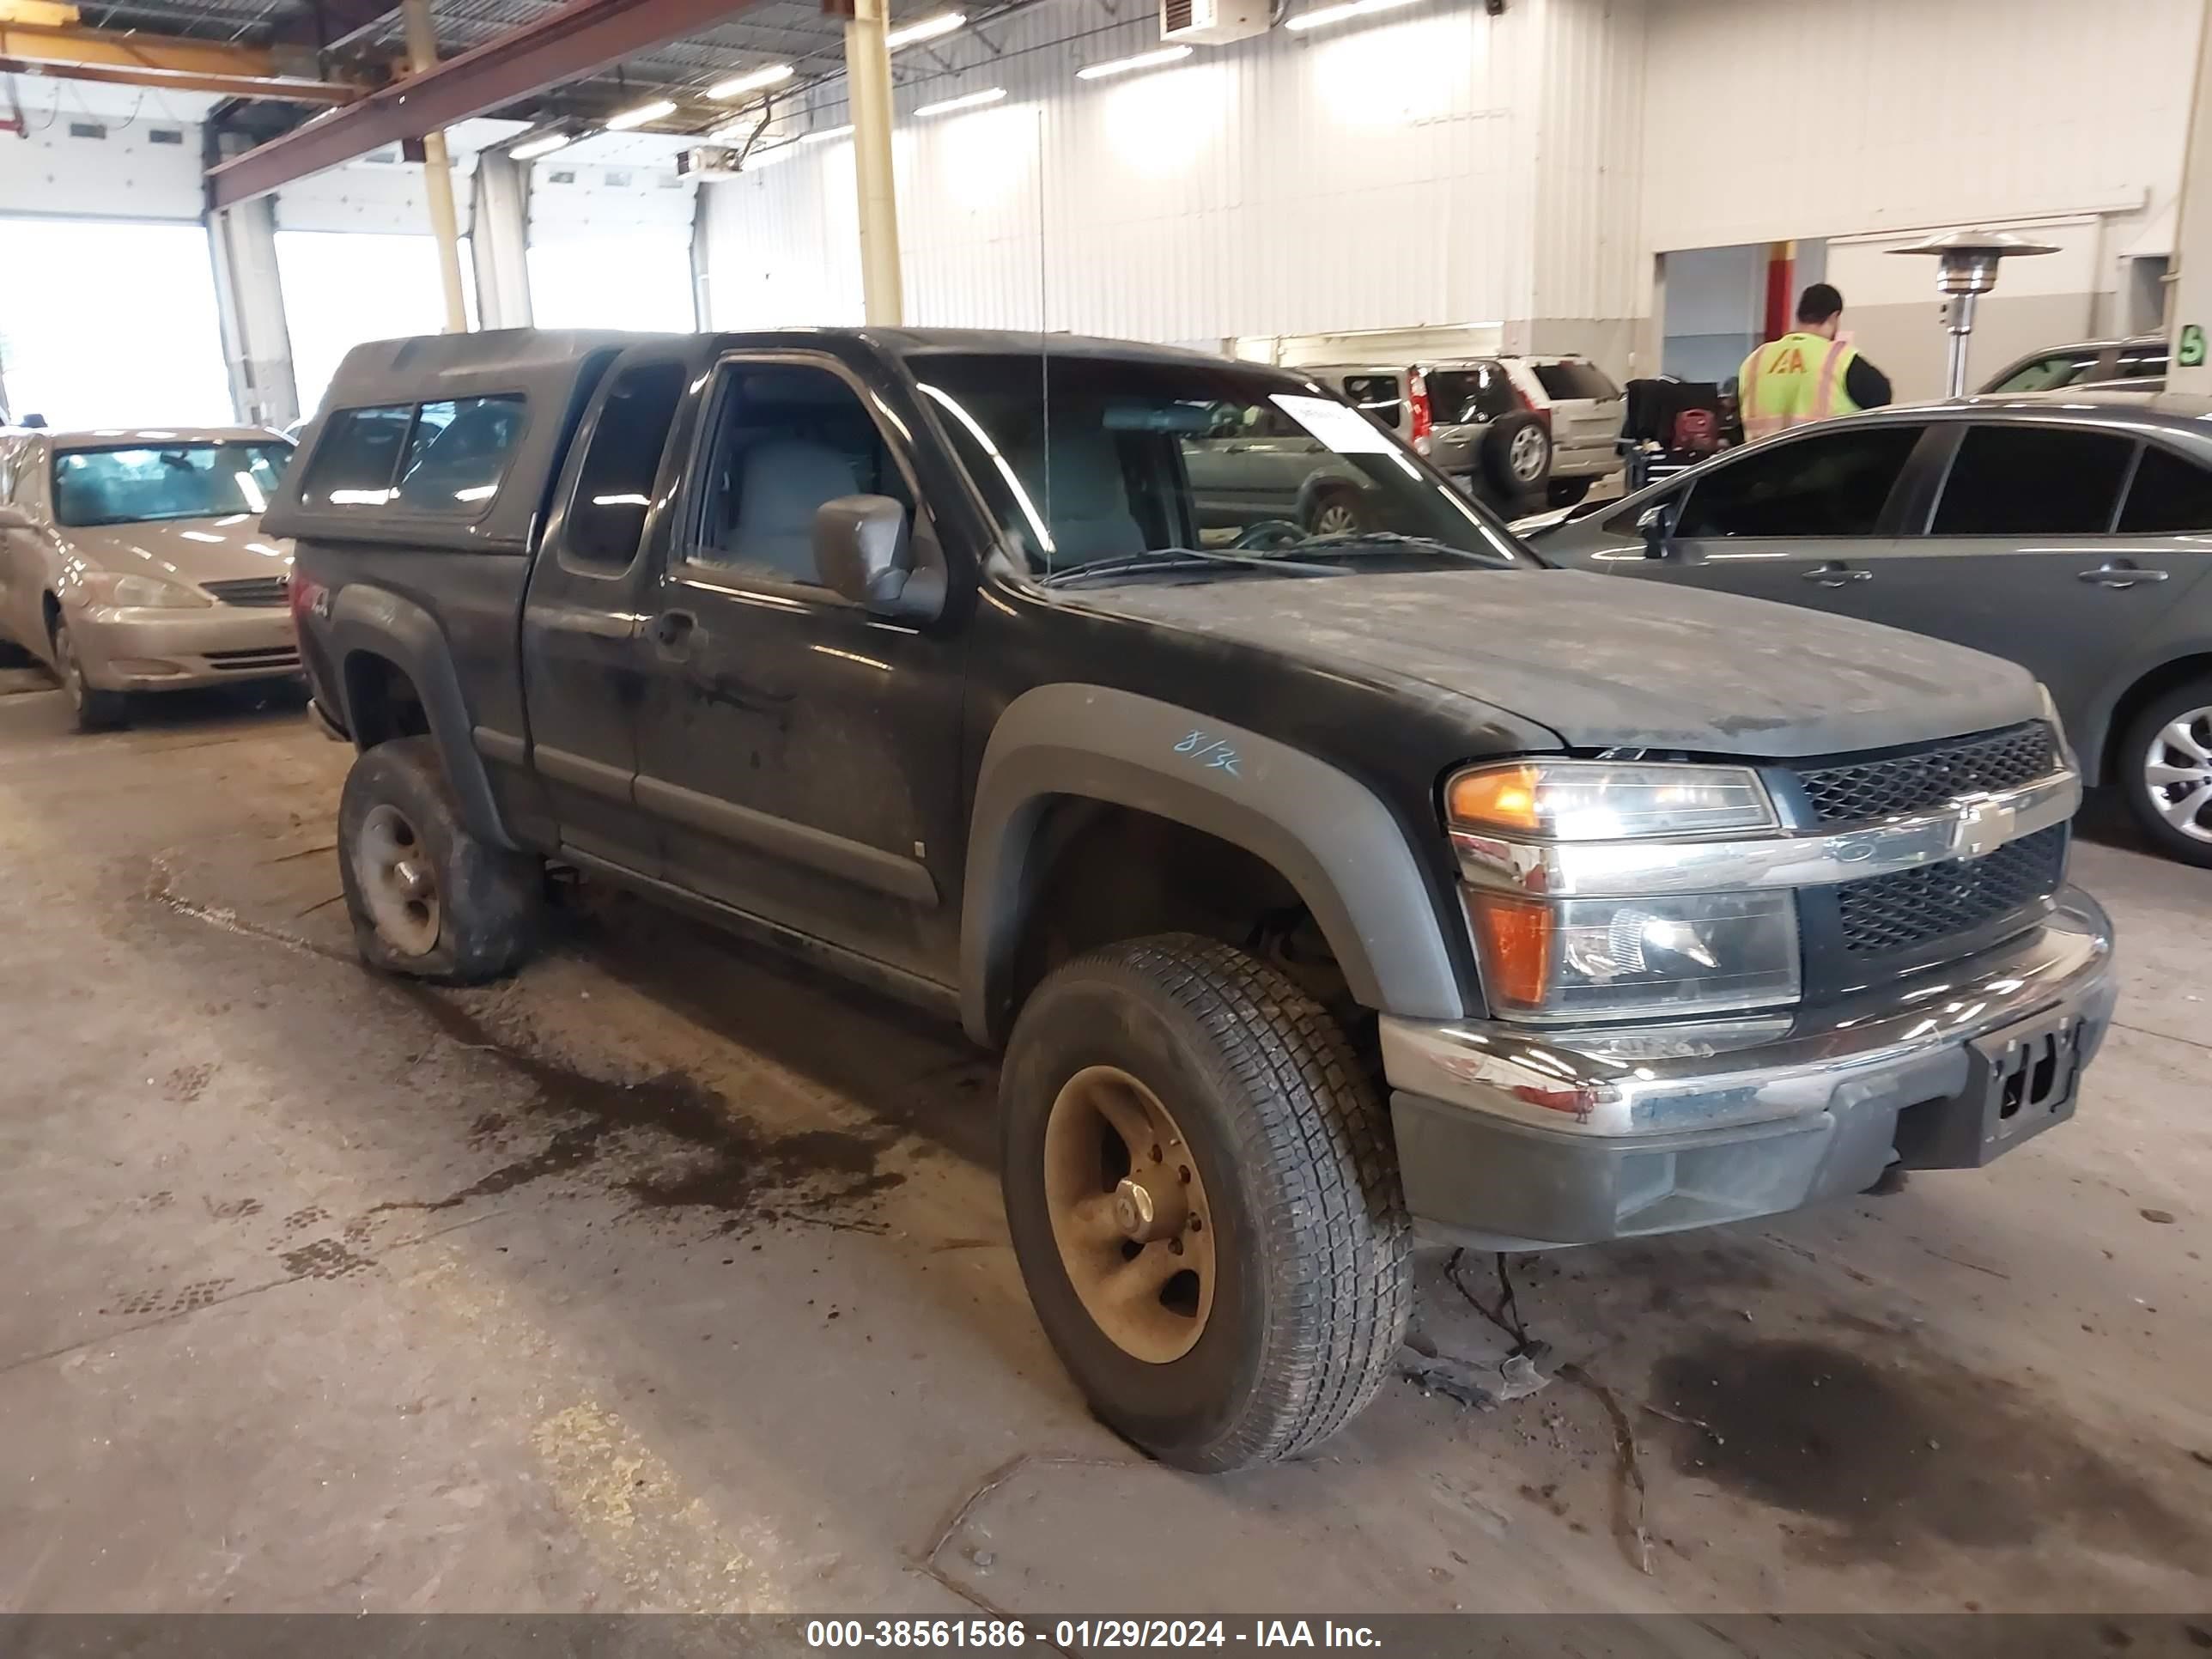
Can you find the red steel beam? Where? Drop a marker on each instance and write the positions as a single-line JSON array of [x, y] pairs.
[[581, 36]]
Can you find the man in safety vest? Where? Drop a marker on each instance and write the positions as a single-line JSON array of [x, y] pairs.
[[1809, 373]]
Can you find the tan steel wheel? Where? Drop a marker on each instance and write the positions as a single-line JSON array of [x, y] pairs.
[[1129, 1214], [399, 883]]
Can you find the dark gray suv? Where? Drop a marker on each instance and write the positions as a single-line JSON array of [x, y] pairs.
[[2074, 538]]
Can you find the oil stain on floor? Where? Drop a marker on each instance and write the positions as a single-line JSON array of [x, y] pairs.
[[1889, 1455], [721, 1161]]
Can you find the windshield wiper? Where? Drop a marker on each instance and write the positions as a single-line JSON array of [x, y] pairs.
[[1183, 558], [1384, 541]]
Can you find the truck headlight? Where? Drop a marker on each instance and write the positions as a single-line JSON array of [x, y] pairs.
[[1607, 800], [1611, 958]]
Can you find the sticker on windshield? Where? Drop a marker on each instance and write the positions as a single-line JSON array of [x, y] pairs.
[[1346, 431]]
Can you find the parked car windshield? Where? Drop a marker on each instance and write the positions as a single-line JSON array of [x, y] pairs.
[[1088, 461], [140, 483]]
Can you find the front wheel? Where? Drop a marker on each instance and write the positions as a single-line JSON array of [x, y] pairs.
[[428, 898], [2165, 771], [96, 710], [1204, 1201]]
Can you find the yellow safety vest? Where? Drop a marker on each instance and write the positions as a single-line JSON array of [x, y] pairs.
[[1799, 377]]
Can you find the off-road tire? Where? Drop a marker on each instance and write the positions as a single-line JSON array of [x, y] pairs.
[[490, 901], [1499, 441], [1313, 1285], [2128, 774], [96, 710]]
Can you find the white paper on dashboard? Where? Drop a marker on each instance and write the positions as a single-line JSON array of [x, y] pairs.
[[1346, 431]]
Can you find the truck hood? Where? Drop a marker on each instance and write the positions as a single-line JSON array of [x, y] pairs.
[[195, 550], [1657, 666]]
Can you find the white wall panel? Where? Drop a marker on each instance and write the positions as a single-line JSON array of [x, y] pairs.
[[1771, 118], [1372, 176]]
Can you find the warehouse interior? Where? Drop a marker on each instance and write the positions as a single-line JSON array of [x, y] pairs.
[[667, 1269]]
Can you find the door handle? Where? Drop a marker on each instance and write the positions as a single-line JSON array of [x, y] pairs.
[[673, 629], [2120, 575], [1833, 575]]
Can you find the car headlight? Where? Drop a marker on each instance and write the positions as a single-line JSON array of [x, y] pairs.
[[1611, 958], [139, 593], [1607, 800]]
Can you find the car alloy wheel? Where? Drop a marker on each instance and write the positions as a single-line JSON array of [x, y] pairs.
[[398, 880], [1336, 518], [1129, 1214], [2178, 772], [1528, 455]]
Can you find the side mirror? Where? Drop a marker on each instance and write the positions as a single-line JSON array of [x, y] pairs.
[[1656, 525], [864, 550], [15, 518]]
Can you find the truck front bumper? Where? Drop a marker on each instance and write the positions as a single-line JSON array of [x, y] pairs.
[[1511, 1138]]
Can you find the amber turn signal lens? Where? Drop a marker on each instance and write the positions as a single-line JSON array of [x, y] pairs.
[[1515, 936], [1503, 797]]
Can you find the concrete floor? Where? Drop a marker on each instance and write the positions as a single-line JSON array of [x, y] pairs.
[[671, 1276]]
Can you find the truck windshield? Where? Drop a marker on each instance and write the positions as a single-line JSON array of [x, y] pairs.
[[1092, 459], [140, 483]]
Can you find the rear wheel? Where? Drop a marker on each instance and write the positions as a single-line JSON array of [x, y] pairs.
[[96, 710], [2165, 771], [428, 898], [1203, 1199]]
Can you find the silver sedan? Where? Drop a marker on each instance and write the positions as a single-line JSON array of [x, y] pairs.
[[134, 561]]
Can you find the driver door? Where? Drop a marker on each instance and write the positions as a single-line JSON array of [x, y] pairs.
[[1800, 519], [798, 757]]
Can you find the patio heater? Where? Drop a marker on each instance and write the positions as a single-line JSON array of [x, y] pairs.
[[1966, 269]]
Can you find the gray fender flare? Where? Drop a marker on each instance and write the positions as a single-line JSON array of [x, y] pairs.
[[1327, 835], [366, 619]]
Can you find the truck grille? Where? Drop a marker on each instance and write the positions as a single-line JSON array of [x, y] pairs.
[[1909, 908], [253, 590], [1855, 792]]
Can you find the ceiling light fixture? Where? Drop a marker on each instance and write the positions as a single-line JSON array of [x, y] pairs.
[[637, 117], [1327, 14], [825, 135], [751, 80], [929, 28], [970, 100], [1123, 65], [531, 149]]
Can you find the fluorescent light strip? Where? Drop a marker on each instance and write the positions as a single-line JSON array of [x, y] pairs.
[[1123, 65], [929, 28], [971, 100], [751, 80], [537, 147], [1327, 14], [638, 117], [825, 135]]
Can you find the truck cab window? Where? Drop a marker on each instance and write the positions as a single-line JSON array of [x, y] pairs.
[[788, 437], [606, 517]]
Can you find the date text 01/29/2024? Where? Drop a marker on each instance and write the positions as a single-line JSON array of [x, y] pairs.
[[1073, 1634]]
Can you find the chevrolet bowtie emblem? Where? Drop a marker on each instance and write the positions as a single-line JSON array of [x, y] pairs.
[[1982, 826]]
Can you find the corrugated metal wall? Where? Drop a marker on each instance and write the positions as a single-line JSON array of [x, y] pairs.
[[1773, 118], [1378, 175]]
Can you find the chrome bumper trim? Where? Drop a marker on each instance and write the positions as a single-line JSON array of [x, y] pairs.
[[1966, 827], [1901, 1037]]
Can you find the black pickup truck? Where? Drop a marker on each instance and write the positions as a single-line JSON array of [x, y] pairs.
[[1329, 880]]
